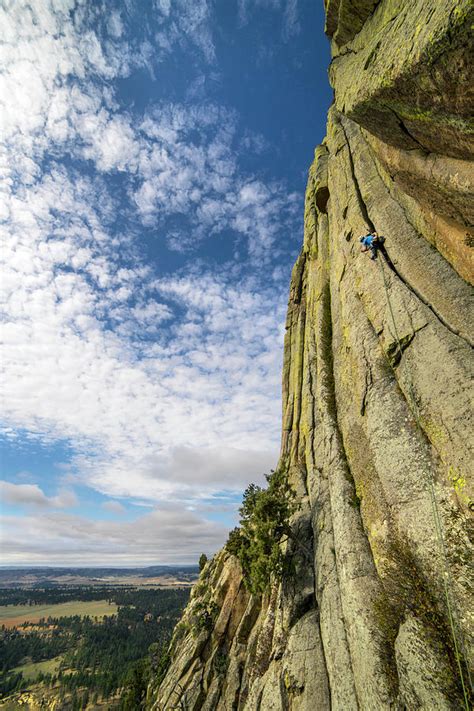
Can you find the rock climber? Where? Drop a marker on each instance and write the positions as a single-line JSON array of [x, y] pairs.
[[371, 242]]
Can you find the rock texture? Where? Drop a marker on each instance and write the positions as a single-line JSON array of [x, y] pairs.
[[377, 402]]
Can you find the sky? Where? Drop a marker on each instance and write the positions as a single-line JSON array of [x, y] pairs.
[[153, 161]]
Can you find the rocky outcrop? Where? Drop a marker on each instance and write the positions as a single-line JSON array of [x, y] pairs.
[[377, 402]]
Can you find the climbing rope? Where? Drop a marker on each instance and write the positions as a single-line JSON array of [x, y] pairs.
[[447, 582]]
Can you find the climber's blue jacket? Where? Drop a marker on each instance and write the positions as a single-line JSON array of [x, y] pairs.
[[367, 240]]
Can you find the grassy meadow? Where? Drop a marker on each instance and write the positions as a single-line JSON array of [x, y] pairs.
[[31, 670], [15, 615]]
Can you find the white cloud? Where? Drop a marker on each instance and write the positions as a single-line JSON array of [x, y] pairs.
[[32, 495], [254, 143], [109, 142], [188, 23], [208, 380], [199, 179], [288, 9], [291, 24], [181, 160], [114, 24], [114, 507], [62, 539]]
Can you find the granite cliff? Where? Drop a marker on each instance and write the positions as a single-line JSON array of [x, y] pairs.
[[377, 428]]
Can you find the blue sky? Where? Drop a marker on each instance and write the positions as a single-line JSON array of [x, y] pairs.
[[154, 157]]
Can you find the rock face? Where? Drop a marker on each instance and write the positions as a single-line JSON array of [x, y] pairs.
[[377, 417]]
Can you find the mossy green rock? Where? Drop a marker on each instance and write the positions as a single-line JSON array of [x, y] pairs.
[[407, 75], [377, 403]]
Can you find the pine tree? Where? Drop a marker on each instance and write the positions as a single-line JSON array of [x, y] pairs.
[[264, 525], [202, 561]]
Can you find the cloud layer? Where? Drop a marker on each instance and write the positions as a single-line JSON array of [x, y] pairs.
[[168, 536], [32, 495]]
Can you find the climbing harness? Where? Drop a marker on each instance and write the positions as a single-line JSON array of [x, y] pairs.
[[372, 242], [447, 583]]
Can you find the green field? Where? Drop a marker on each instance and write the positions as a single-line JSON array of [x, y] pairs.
[[14, 615], [31, 671]]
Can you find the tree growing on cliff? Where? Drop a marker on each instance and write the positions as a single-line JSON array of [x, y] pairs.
[[202, 561], [264, 526]]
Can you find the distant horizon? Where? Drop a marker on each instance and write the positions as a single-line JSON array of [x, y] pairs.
[[97, 567]]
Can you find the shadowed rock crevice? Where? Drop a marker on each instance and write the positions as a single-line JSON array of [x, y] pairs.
[[360, 200], [405, 130], [322, 197]]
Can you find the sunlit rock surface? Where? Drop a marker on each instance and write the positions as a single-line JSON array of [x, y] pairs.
[[377, 401]]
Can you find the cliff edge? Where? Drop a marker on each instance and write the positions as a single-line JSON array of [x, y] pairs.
[[377, 402]]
